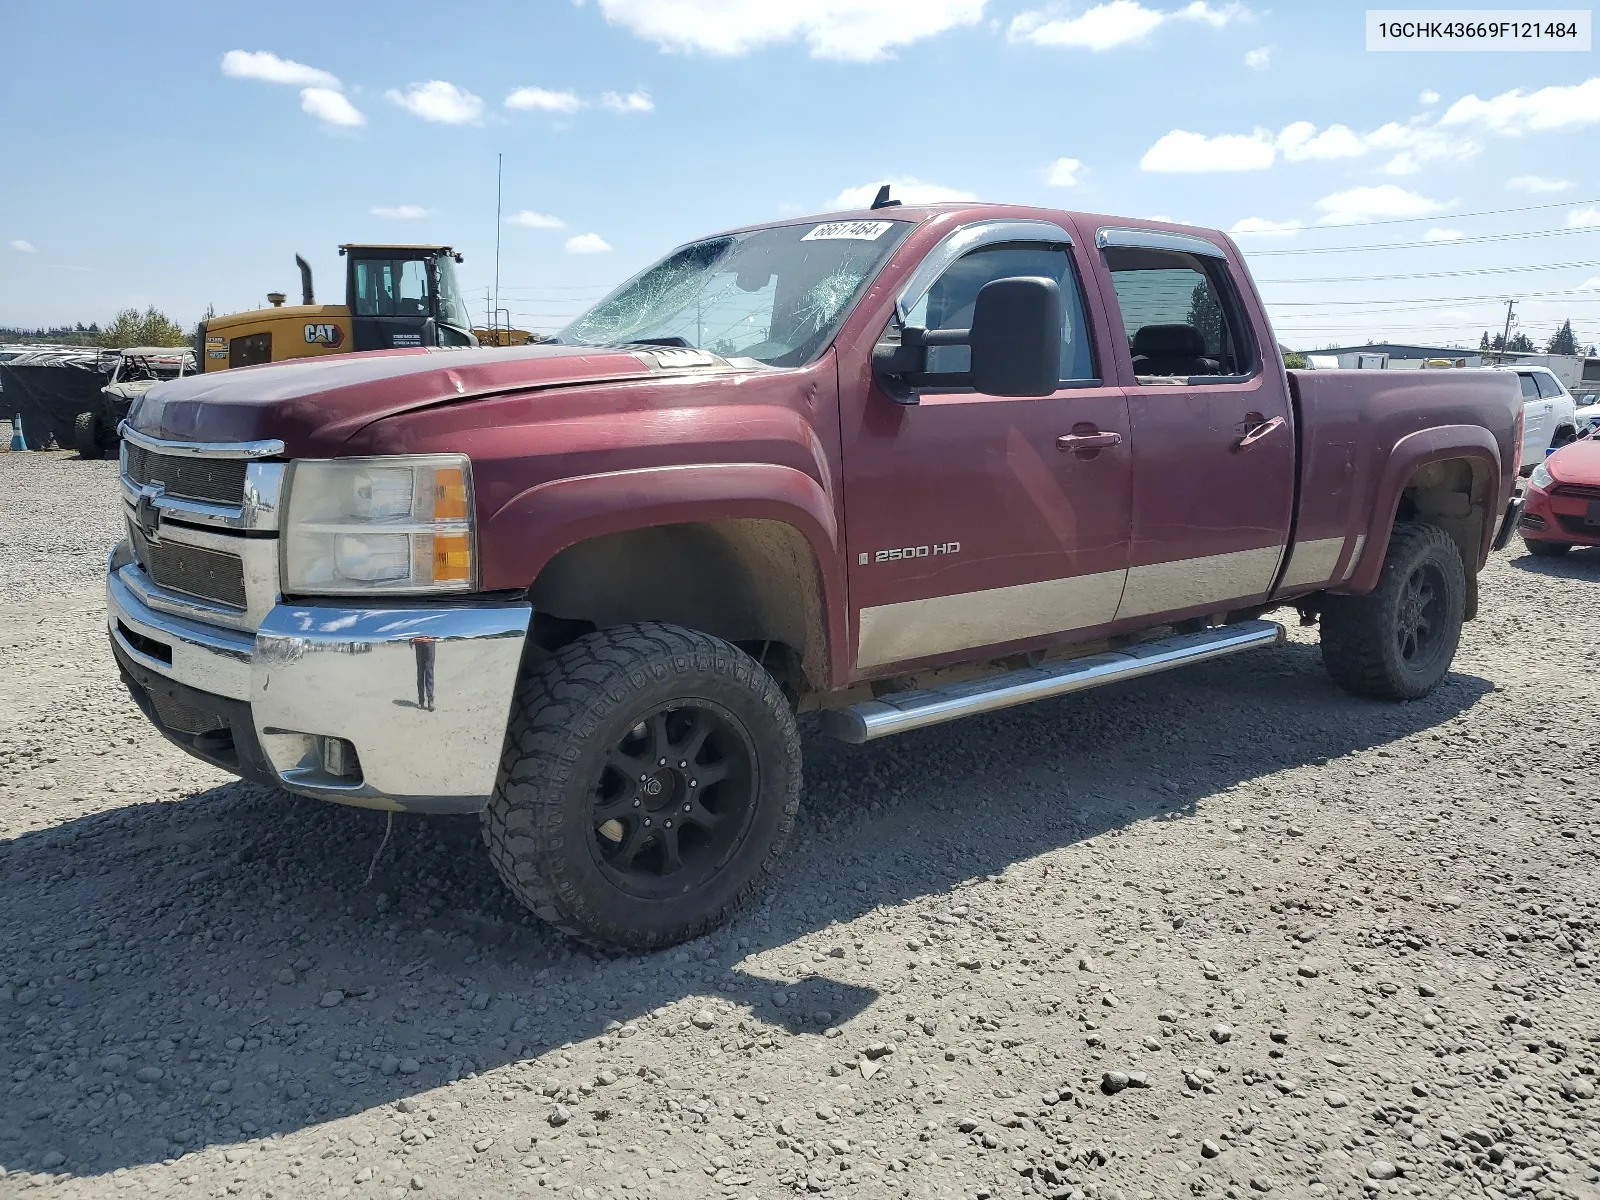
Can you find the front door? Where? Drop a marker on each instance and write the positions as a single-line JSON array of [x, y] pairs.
[[1213, 435], [984, 521]]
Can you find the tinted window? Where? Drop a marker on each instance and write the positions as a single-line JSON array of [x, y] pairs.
[[1180, 312], [391, 287], [1530, 390], [948, 303], [250, 350], [1548, 387]]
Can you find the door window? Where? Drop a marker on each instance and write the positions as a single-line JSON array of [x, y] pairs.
[[1549, 389], [949, 302], [1181, 315], [391, 287], [249, 350], [1530, 389]]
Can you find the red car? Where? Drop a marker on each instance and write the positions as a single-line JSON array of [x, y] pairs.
[[1563, 501]]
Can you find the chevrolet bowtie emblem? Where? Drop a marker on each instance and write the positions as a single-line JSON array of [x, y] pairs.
[[147, 515]]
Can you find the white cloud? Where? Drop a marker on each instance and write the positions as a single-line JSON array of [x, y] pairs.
[[1265, 228], [1259, 58], [1517, 112], [849, 30], [1300, 141], [537, 99], [631, 102], [1590, 284], [1113, 23], [1063, 173], [1428, 98], [268, 67], [439, 101], [905, 189], [1182, 151], [333, 107], [1442, 235], [587, 243], [22, 246], [401, 212], [529, 219], [1537, 185], [1375, 203], [1404, 163], [1583, 218]]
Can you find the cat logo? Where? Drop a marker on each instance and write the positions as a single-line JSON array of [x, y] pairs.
[[324, 335]]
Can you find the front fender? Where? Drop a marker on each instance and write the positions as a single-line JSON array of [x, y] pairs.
[[530, 529], [1411, 453]]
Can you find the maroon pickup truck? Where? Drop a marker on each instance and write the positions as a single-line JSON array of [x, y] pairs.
[[898, 466]]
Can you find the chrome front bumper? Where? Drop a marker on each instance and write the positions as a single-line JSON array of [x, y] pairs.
[[421, 692]]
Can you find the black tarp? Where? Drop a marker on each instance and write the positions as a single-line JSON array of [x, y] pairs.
[[51, 387]]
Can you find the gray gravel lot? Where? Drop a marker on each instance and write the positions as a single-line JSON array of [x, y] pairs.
[[1225, 932]]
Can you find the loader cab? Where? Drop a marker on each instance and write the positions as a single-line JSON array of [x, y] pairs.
[[405, 296]]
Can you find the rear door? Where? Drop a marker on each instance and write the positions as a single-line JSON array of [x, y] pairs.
[[970, 522], [1536, 431], [1213, 440]]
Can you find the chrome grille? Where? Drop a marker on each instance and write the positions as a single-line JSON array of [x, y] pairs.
[[211, 575], [211, 480]]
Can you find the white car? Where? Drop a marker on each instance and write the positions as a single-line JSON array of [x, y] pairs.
[[1549, 414], [1588, 413]]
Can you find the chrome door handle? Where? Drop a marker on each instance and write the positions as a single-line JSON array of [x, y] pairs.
[[1088, 441], [1260, 431]]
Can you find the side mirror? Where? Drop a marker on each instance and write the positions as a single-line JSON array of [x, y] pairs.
[[1014, 341], [1016, 337], [430, 332]]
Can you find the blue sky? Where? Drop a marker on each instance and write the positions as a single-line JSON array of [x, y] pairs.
[[181, 154]]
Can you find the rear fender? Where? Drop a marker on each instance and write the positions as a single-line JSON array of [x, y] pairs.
[[521, 538], [1411, 453]]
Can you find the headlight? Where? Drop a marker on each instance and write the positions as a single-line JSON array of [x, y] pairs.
[[400, 523], [1541, 478]]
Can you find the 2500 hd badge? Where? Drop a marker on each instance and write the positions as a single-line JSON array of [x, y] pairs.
[[906, 552]]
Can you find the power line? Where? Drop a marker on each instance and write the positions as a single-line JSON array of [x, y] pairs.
[[1577, 296], [1437, 243], [1437, 274], [1488, 212]]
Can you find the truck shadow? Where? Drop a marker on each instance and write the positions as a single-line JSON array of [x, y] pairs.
[[230, 975], [1581, 562]]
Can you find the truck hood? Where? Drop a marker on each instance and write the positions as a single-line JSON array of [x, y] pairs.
[[314, 405]]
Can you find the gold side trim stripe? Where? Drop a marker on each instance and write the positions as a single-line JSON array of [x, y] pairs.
[[1190, 582], [1313, 562]]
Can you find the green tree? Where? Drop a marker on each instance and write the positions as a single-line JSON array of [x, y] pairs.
[[1205, 314], [1483, 342], [1563, 341], [1294, 360], [1520, 343], [149, 328]]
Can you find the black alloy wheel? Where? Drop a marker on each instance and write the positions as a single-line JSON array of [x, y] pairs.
[[673, 798], [1419, 626]]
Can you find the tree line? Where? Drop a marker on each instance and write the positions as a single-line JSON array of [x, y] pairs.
[[130, 327], [1562, 341]]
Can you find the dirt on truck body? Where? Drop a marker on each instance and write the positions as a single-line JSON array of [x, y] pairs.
[[899, 466]]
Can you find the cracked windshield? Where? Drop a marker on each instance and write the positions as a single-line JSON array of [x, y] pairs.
[[775, 295]]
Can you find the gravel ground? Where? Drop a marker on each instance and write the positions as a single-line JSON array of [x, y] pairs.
[[1224, 932]]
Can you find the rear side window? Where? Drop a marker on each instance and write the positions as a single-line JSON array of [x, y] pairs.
[[948, 303], [1548, 387], [1181, 314], [1530, 389]]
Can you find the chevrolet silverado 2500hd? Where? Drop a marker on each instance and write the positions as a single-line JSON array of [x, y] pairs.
[[898, 465]]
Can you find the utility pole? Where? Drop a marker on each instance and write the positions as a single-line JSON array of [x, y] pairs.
[[1505, 338], [499, 166]]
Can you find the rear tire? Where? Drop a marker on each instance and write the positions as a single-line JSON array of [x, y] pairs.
[[86, 436], [1397, 641], [1543, 549], [619, 737]]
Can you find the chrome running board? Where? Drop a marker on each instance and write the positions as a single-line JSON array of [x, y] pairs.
[[902, 711]]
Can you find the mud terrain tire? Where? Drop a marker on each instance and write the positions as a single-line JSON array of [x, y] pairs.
[[609, 744], [1397, 641]]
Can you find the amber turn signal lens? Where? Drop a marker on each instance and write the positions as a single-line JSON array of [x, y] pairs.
[[449, 494], [452, 558]]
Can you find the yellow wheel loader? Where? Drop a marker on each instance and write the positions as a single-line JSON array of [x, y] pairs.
[[394, 296]]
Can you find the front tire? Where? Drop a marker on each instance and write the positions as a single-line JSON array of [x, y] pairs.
[[651, 776], [1397, 641], [1542, 549], [86, 436]]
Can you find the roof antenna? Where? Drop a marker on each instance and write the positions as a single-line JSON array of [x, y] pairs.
[[882, 200]]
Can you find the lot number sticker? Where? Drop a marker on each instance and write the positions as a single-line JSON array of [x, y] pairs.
[[851, 231]]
